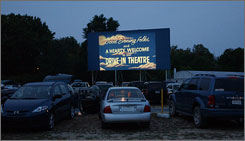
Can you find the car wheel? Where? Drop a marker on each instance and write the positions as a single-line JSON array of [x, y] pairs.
[[72, 113], [104, 125], [51, 122], [199, 120], [172, 108]]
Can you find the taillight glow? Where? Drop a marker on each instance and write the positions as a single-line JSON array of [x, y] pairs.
[[147, 108], [211, 101], [107, 109]]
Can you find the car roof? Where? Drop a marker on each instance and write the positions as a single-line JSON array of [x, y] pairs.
[[41, 83], [119, 88]]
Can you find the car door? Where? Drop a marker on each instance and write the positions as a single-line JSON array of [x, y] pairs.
[[181, 95], [67, 99], [58, 103], [190, 94]]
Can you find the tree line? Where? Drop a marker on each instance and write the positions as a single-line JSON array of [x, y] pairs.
[[29, 52]]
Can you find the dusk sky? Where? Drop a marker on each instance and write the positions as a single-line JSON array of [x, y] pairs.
[[217, 25]]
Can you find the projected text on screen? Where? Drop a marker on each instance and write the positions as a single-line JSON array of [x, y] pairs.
[[127, 51]]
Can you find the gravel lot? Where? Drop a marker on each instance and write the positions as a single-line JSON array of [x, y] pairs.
[[86, 127]]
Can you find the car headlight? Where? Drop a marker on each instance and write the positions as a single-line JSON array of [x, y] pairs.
[[40, 108]]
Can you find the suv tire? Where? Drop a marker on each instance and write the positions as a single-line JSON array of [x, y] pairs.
[[199, 120], [172, 108]]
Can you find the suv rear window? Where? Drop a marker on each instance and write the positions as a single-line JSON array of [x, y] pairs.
[[229, 84]]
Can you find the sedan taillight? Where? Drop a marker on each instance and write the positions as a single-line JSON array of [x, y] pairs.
[[107, 109], [147, 108]]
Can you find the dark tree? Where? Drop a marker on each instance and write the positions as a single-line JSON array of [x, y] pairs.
[[232, 60], [24, 40], [99, 24]]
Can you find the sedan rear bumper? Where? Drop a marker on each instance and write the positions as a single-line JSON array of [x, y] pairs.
[[117, 118]]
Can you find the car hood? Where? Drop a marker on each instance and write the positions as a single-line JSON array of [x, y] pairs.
[[24, 104]]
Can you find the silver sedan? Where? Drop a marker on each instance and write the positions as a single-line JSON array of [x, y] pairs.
[[124, 104]]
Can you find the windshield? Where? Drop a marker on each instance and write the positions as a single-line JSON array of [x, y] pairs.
[[229, 84], [78, 85], [32, 92], [124, 94]]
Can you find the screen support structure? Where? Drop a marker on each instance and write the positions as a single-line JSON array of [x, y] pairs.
[[115, 77], [92, 77], [140, 76]]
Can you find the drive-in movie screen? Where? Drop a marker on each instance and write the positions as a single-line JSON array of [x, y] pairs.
[[127, 51]]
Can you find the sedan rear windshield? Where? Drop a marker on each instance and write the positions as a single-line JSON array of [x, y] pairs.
[[124, 93], [78, 85], [229, 84], [32, 92]]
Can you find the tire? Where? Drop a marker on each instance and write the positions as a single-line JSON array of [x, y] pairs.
[[51, 122], [104, 125], [172, 108], [72, 113], [199, 120]]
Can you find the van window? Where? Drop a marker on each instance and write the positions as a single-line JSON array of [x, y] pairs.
[[63, 89], [185, 84], [229, 84], [204, 84], [193, 84]]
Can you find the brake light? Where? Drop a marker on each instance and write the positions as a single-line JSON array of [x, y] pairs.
[[147, 108], [211, 101], [107, 109], [233, 77]]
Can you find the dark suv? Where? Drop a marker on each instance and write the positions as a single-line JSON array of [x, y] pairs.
[[152, 91], [209, 96]]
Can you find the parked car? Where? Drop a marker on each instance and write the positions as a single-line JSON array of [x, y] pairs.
[[100, 82], [152, 91], [173, 87], [138, 84], [10, 84], [103, 89], [124, 104], [68, 80], [38, 104], [90, 100], [125, 84], [209, 96], [8, 88]]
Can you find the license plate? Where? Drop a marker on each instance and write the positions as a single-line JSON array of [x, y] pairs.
[[157, 92], [127, 109], [236, 102]]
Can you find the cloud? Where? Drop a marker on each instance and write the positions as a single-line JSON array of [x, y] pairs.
[[102, 69], [115, 65], [102, 64], [102, 58], [145, 66], [103, 39]]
